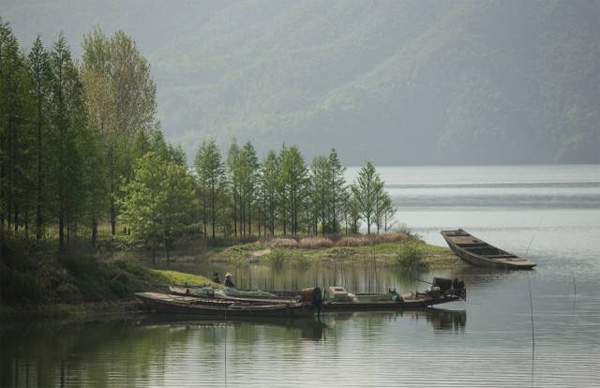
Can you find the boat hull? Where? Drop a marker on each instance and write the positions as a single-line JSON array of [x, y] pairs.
[[193, 291], [391, 305], [175, 304], [466, 246]]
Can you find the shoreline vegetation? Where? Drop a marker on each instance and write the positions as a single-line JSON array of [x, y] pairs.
[[88, 183], [80, 285]]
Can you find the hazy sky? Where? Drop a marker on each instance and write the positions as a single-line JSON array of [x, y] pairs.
[[403, 82]]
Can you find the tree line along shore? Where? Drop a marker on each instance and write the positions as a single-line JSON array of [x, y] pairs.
[[85, 169], [81, 146]]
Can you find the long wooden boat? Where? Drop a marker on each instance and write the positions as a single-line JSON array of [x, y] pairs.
[[178, 304], [256, 297], [392, 300], [479, 253], [443, 291]]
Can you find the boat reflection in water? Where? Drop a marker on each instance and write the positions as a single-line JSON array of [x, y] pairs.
[[310, 328], [440, 319], [112, 350]]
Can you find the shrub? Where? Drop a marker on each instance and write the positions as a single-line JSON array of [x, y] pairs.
[[368, 239], [301, 261], [315, 242], [276, 258], [410, 257], [283, 243]]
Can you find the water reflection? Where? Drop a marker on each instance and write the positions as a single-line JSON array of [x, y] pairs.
[[438, 319], [310, 328], [366, 276], [133, 351]]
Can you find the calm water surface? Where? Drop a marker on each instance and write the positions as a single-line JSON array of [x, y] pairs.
[[550, 213]]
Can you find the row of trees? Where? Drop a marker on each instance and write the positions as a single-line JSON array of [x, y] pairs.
[[80, 146], [283, 194], [67, 132]]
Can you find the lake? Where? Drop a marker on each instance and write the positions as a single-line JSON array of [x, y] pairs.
[[499, 337]]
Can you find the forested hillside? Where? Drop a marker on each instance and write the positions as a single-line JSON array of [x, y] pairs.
[[396, 82]]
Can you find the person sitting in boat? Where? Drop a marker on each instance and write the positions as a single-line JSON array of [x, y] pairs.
[[228, 281], [215, 278]]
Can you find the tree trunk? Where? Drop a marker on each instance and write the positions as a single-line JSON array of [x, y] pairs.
[[38, 213], [61, 229], [166, 247], [94, 231], [213, 215]]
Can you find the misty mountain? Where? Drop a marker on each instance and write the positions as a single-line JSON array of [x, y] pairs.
[[395, 82]]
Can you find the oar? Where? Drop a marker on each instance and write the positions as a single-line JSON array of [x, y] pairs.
[[423, 281]]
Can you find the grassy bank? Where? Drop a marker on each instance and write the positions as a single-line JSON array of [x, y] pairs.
[[389, 250], [36, 280]]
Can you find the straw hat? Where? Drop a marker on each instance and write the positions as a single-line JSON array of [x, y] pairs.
[[228, 274]]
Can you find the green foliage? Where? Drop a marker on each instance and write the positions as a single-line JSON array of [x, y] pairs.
[[368, 193], [121, 96], [410, 257], [211, 177], [159, 202], [268, 183], [174, 277], [327, 186], [277, 258], [80, 144], [293, 181]]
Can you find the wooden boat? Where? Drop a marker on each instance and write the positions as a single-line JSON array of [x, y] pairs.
[[479, 253], [443, 291], [178, 304], [239, 296], [337, 299]]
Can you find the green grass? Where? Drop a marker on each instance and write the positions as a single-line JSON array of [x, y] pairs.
[[166, 278], [385, 253]]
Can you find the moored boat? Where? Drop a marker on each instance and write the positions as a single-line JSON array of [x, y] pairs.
[[336, 298], [442, 291], [479, 253], [180, 304], [232, 294]]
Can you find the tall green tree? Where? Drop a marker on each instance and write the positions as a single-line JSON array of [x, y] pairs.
[[39, 67], [367, 190], [249, 168], [337, 188], [211, 176], [384, 212], [14, 130], [234, 178], [158, 203], [268, 183], [320, 193], [293, 180], [62, 85], [122, 98]]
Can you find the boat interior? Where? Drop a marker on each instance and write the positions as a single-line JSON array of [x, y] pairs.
[[487, 250]]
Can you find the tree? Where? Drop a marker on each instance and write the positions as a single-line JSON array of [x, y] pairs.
[[62, 70], [367, 190], [337, 187], [234, 179], [122, 98], [211, 176], [320, 190], [293, 180], [15, 190], [158, 202], [268, 181], [384, 212], [248, 176], [39, 67]]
